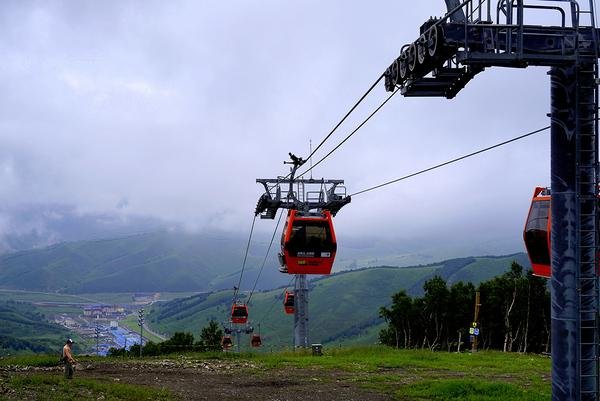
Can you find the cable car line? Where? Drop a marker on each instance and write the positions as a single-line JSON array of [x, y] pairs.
[[451, 161], [266, 256], [237, 289], [337, 126], [235, 306], [276, 299], [346, 116], [358, 103], [351, 133]]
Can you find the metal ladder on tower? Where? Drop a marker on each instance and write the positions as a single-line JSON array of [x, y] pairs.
[[587, 203]]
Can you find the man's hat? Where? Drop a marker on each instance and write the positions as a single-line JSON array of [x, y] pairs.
[[69, 341]]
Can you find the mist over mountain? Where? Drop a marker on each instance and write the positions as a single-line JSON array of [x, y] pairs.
[[169, 261], [59, 248], [34, 225]]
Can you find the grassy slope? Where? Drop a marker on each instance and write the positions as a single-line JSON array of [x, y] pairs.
[[485, 268], [24, 329], [364, 292], [168, 261], [157, 262], [343, 307]]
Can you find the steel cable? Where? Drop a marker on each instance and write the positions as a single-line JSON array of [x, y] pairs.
[[266, 257], [237, 289], [450, 161], [351, 133], [338, 124]]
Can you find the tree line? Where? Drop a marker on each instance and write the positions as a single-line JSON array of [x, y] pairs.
[[514, 315], [210, 340]]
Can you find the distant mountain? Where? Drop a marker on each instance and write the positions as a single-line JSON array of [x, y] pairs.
[[165, 261], [176, 260], [358, 252], [343, 307], [31, 226]]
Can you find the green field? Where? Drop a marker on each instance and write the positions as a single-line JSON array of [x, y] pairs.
[[101, 298], [127, 297], [37, 296], [131, 323]]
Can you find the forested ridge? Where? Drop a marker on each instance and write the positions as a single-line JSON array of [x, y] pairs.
[[23, 328], [514, 314]]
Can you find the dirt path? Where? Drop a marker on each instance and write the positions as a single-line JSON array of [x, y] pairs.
[[218, 380], [225, 380]]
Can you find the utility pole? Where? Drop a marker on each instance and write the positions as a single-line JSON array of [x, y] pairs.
[[141, 324], [97, 332], [476, 322]]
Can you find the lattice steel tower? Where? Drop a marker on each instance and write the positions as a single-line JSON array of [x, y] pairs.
[[476, 34]]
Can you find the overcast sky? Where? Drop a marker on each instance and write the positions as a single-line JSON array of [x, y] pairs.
[[172, 109]]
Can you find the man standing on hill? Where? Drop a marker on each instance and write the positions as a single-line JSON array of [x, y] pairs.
[[68, 360]]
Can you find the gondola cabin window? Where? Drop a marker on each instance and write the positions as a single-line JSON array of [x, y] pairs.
[[310, 239]]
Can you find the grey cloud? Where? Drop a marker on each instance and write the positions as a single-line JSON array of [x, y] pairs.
[[178, 106]]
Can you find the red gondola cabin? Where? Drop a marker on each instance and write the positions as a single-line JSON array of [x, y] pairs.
[[537, 232], [239, 313], [255, 341], [308, 243], [226, 342], [288, 303]]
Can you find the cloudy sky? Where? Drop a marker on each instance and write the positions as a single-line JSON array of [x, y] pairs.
[[173, 109]]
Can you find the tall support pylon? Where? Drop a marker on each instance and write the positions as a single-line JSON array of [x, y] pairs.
[[574, 284], [452, 50], [301, 311]]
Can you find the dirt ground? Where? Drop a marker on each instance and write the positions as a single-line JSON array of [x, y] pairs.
[[226, 380]]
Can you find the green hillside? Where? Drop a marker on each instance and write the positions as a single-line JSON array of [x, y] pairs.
[[343, 307], [167, 261], [24, 329], [155, 262]]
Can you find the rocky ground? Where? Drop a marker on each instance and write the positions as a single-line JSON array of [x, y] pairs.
[[221, 380]]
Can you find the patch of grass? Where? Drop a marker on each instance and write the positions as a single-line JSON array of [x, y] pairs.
[[42, 360], [522, 377], [467, 390], [46, 387], [375, 358], [31, 360], [131, 323]]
